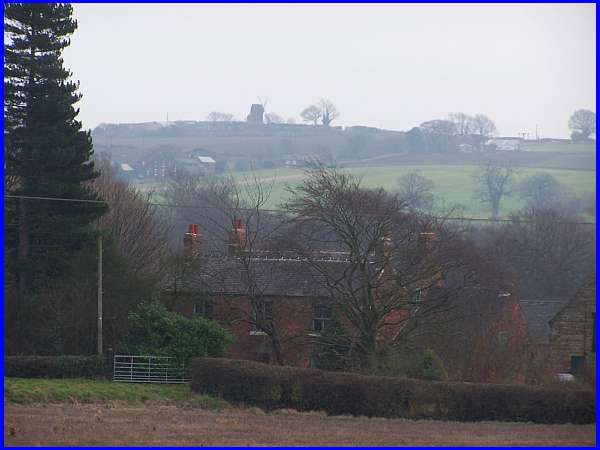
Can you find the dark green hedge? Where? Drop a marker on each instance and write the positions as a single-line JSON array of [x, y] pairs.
[[272, 387], [56, 366]]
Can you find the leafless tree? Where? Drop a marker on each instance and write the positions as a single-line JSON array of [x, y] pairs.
[[495, 180], [463, 123], [216, 116], [311, 114], [583, 122], [274, 118], [416, 190], [328, 111], [140, 232], [235, 268], [442, 127], [389, 274], [484, 128], [549, 253], [542, 190]]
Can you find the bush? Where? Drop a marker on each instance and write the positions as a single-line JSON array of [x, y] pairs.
[[155, 331], [56, 366], [431, 367], [274, 387]]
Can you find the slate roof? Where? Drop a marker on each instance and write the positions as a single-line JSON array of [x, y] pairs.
[[538, 314], [263, 275]]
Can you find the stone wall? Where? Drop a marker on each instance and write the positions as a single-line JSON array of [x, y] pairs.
[[572, 331]]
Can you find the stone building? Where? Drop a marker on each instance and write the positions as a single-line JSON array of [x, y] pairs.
[[573, 334]]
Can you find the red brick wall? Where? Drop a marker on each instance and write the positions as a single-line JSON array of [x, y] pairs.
[[292, 319]]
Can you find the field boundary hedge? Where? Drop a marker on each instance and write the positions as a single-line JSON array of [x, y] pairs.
[[69, 366], [337, 393]]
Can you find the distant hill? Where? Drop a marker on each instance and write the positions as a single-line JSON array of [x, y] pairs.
[[240, 143], [158, 150]]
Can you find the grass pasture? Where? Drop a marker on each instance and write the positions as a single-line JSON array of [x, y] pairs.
[[38, 390], [453, 184]]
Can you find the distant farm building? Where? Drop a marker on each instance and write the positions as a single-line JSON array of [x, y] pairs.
[[126, 172], [565, 331], [505, 145]]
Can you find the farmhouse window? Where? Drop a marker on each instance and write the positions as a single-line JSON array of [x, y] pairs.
[[321, 317], [416, 296], [203, 308], [263, 316]]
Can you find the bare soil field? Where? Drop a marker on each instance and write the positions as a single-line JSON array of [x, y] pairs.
[[162, 425]]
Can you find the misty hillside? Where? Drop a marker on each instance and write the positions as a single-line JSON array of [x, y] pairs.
[[240, 146], [239, 143]]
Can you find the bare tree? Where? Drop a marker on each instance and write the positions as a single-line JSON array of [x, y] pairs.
[[549, 253], [386, 274], [328, 111], [542, 190], [463, 123], [311, 114], [484, 128], [495, 180], [583, 122], [216, 116], [437, 126], [273, 118], [232, 222], [140, 232], [416, 190]]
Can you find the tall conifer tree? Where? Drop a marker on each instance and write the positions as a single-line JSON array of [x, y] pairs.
[[47, 154]]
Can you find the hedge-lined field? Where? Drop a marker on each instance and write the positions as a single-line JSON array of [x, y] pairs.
[[272, 387], [26, 391], [453, 184]]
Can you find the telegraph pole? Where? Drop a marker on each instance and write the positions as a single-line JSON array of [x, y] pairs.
[[100, 293]]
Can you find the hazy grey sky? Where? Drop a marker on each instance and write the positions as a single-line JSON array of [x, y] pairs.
[[390, 66]]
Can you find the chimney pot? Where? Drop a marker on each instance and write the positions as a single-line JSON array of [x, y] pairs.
[[425, 241], [237, 239], [191, 241]]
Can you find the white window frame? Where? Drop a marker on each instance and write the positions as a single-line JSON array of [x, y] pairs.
[[323, 319], [262, 306]]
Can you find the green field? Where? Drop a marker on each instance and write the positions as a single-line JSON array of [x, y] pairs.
[[35, 390], [453, 184]]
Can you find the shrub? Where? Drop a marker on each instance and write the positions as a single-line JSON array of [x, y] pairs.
[[431, 367], [275, 387], [155, 331], [56, 366]]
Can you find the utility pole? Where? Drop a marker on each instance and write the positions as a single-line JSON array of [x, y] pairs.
[[100, 293], [537, 138]]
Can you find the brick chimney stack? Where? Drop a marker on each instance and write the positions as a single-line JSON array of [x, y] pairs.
[[425, 242], [237, 239], [191, 241]]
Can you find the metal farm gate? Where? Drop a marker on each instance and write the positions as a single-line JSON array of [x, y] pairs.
[[148, 369]]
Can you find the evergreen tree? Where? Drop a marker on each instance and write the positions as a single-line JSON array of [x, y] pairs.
[[47, 154]]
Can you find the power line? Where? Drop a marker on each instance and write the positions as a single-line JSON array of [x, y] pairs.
[[275, 211]]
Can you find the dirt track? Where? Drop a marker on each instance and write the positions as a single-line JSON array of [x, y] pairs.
[[156, 425]]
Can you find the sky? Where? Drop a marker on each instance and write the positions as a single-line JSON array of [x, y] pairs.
[[387, 66]]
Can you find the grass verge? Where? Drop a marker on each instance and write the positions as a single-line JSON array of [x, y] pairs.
[[26, 391]]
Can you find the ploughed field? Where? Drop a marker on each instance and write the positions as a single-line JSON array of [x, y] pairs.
[[155, 423]]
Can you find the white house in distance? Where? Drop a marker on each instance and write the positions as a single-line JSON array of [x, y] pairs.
[[505, 144]]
